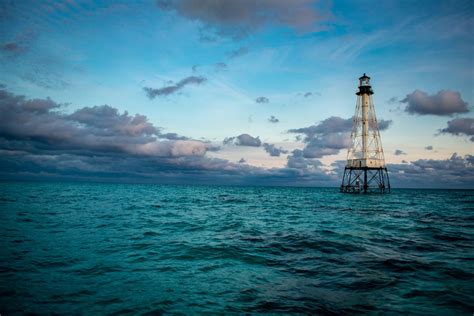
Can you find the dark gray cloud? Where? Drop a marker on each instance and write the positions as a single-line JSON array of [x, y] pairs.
[[273, 119], [16, 165], [262, 100], [39, 126], [329, 136], [429, 147], [460, 126], [399, 152], [333, 124], [238, 52], [238, 18], [242, 160], [243, 140], [455, 172], [167, 90], [173, 136], [384, 124], [274, 151], [445, 102], [297, 161], [38, 140]]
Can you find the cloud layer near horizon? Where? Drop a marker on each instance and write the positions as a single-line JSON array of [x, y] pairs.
[[39, 140], [39, 125]]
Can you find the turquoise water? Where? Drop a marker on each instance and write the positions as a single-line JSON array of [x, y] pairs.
[[152, 249]]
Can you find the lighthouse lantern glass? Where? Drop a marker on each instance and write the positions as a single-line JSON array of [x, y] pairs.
[[364, 81]]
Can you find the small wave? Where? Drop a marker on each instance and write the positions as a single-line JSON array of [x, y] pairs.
[[150, 234]]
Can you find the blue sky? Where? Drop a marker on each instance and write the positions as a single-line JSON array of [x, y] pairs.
[[215, 59]]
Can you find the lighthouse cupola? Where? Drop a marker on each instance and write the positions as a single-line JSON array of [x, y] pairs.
[[364, 85]]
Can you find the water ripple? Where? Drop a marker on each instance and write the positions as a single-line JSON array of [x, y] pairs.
[[152, 250]]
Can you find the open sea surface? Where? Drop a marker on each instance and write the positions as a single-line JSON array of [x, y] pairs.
[[154, 249]]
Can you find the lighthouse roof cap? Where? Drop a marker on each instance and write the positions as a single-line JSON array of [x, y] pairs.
[[364, 76]]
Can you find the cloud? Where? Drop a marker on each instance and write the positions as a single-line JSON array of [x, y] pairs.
[[274, 151], [445, 102], [429, 147], [167, 90], [243, 140], [332, 124], [242, 160], [12, 49], [262, 100], [298, 161], [237, 19], [329, 136], [173, 136], [19, 45], [39, 126], [273, 119], [220, 66], [455, 172], [399, 152], [308, 94], [238, 52], [325, 138], [393, 100], [40, 140], [460, 126]]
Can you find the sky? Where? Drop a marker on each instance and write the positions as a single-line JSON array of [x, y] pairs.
[[242, 92]]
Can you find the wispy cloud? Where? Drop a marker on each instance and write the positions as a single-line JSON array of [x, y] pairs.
[[171, 89], [238, 52]]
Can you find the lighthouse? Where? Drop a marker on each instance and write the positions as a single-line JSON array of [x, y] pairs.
[[365, 169]]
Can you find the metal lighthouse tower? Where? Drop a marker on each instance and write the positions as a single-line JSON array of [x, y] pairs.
[[365, 170]]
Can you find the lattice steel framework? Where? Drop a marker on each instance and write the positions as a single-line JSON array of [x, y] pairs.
[[365, 170]]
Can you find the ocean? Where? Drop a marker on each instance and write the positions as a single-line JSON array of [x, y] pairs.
[[77, 248]]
